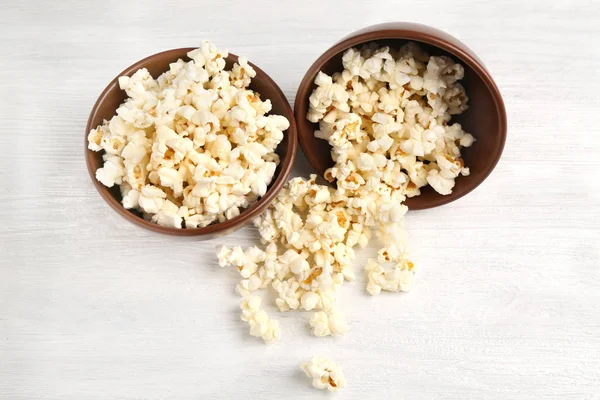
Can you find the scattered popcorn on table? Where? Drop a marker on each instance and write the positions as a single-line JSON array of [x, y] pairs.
[[309, 231], [325, 374], [194, 146]]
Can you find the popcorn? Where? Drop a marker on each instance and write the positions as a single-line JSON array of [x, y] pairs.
[[388, 140], [308, 255], [168, 215], [112, 172], [325, 374], [131, 199], [151, 199], [135, 151], [398, 278], [441, 72], [196, 137], [260, 323], [241, 73], [399, 103], [289, 294], [440, 183], [326, 324], [467, 140], [309, 300], [95, 137], [170, 178]]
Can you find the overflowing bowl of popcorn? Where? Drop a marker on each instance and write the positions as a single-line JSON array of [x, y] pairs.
[[405, 105], [191, 142]]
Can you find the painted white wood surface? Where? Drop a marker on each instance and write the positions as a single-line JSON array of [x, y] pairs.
[[507, 304]]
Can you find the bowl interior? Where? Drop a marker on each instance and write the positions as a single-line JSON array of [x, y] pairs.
[[113, 96], [482, 119]]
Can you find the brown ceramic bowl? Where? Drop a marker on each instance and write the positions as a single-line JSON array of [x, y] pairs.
[[485, 118], [113, 96]]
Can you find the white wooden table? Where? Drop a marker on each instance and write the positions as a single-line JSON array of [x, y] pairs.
[[507, 304]]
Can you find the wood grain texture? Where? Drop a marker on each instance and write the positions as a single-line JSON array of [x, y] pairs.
[[507, 303]]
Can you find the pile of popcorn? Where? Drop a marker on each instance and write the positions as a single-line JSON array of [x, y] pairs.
[[194, 146]]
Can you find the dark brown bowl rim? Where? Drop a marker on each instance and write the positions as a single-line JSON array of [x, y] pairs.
[[233, 224], [419, 33]]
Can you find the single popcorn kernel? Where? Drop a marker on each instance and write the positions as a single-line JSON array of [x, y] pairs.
[[325, 374]]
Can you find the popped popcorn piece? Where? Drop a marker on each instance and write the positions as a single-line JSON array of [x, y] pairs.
[[441, 184], [196, 137], [467, 140], [398, 278], [168, 215], [309, 300], [151, 199], [260, 323], [325, 374], [328, 323], [131, 199], [112, 172]]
